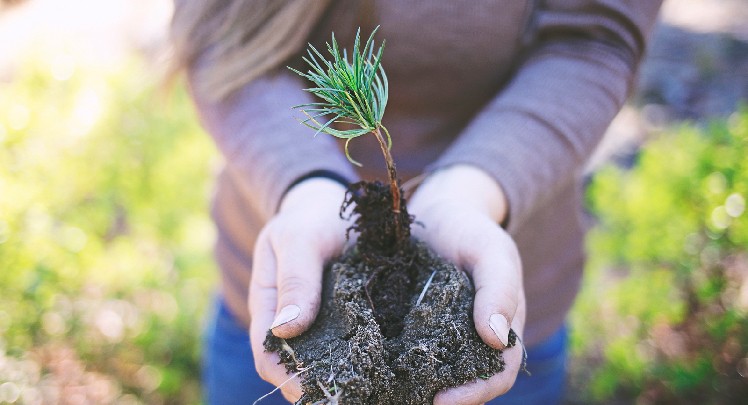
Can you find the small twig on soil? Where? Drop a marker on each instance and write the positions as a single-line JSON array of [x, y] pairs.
[[290, 351], [332, 399], [426, 287], [282, 384]]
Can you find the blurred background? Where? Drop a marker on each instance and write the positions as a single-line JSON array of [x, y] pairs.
[[105, 179]]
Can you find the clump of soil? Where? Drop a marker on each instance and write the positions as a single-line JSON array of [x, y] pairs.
[[395, 324]]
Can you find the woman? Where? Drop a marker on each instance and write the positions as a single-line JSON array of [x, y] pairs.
[[495, 103]]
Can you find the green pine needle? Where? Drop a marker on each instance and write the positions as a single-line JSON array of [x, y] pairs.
[[353, 92]]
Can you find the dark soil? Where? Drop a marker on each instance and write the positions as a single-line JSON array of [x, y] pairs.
[[373, 342]]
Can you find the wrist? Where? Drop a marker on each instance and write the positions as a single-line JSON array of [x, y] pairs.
[[313, 192], [466, 186]]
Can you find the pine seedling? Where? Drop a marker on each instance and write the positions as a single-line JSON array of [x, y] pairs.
[[353, 93]]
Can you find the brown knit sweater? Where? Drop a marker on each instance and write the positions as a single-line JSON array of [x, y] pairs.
[[521, 89]]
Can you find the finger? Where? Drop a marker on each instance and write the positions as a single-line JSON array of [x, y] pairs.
[[262, 285], [299, 277], [262, 304], [291, 397], [480, 391], [496, 271], [288, 382]]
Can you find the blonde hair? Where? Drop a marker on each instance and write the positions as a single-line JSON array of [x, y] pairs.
[[240, 39]]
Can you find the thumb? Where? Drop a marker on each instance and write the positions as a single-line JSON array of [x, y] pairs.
[[299, 280], [497, 275], [306, 232], [262, 307]]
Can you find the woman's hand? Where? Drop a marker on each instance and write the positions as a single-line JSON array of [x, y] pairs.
[[460, 208], [289, 255]]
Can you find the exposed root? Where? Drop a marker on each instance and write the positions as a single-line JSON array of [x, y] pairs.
[[282, 384], [288, 349]]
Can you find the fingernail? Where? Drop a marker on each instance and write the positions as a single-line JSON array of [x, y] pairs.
[[287, 314], [500, 326]]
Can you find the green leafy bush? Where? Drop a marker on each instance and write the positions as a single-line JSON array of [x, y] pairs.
[[104, 236], [663, 316]]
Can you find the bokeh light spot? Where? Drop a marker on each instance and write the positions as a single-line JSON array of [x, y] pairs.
[[9, 392], [720, 218], [74, 239], [86, 113], [735, 205], [110, 325], [54, 324], [149, 378]]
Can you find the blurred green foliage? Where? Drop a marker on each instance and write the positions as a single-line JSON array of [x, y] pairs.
[[663, 315], [104, 236]]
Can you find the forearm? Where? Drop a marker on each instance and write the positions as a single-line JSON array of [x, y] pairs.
[[535, 136]]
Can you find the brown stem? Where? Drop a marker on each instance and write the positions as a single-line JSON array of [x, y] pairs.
[[394, 187]]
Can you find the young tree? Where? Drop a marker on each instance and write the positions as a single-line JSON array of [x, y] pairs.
[[353, 93]]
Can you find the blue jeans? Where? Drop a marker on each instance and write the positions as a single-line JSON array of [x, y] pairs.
[[229, 375]]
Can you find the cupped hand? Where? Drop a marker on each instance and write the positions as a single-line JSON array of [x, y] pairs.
[[460, 208], [289, 255]]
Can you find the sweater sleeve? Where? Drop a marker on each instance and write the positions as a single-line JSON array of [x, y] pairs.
[[535, 136], [265, 146]]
